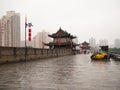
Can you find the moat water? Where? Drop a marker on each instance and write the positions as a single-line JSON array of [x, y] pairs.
[[75, 72]]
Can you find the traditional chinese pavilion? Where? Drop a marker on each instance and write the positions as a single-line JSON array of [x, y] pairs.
[[61, 39], [84, 46]]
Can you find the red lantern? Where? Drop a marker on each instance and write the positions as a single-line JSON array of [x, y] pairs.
[[29, 34], [29, 30], [29, 38]]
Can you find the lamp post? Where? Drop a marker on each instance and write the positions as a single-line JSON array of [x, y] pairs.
[[25, 37], [26, 25]]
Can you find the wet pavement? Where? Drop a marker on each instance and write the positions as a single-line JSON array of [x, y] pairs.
[[75, 72]]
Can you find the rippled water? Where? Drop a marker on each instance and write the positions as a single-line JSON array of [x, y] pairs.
[[76, 72]]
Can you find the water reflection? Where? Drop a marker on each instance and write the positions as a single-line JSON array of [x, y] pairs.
[[76, 72], [100, 61]]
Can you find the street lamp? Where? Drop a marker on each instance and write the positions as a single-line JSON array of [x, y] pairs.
[[26, 25]]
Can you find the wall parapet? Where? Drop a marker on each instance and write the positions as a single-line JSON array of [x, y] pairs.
[[15, 54]]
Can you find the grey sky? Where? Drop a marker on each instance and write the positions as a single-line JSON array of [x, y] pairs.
[[84, 18]]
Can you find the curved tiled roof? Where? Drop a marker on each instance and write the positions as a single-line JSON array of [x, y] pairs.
[[61, 33]]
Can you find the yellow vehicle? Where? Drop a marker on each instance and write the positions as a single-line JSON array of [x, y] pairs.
[[102, 54], [99, 56]]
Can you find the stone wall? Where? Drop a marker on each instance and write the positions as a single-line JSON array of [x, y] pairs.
[[15, 54]]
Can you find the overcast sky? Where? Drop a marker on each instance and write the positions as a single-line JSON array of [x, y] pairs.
[[84, 18]]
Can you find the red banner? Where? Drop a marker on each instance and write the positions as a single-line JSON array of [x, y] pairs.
[[29, 38], [29, 34], [59, 42]]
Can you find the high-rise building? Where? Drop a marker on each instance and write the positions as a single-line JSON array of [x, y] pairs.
[[10, 28], [2, 29], [103, 42], [92, 42], [117, 43], [40, 38], [28, 43], [0, 32]]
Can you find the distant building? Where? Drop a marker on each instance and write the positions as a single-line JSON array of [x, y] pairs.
[[103, 42], [1, 33], [28, 43], [111, 46], [40, 38], [117, 43], [92, 42], [10, 29], [84, 47]]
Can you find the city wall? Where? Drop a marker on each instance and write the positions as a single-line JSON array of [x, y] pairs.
[[15, 54]]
